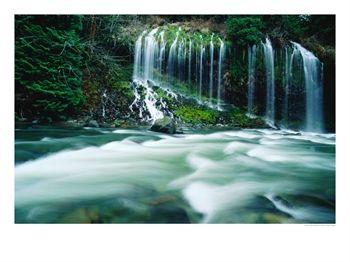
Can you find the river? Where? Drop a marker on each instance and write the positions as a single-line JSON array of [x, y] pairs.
[[138, 176]]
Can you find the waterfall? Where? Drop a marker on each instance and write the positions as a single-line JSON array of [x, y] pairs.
[[137, 56], [171, 58], [179, 60], [161, 52], [202, 50], [313, 74], [270, 81], [301, 76], [185, 61], [287, 82], [211, 69], [149, 54], [184, 54], [103, 102], [148, 109], [198, 50], [189, 60], [174, 63], [251, 77], [221, 59]]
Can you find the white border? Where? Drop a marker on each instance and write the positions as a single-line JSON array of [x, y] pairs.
[[173, 243]]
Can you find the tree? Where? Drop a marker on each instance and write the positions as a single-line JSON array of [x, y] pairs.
[[244, 30], [48, 66]]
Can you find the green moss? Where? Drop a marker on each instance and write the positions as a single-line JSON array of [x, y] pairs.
[[238, 118], [196, 115], [197, 38]]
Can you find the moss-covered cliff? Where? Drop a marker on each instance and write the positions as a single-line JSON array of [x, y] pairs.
[[93, 63]]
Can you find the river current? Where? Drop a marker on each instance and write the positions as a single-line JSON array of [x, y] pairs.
[[139, 176]]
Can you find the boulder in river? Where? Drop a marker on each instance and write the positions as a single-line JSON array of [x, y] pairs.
[[93, 123], [164, 125]]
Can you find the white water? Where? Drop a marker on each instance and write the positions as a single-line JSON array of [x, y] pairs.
[[270, 81], [171, 58], [161, 52], [152, 60], [251, 77], [137, 56], [149, 54], [151, 107], [313, 74], [211, 69], [189, 60], [221, 59], [164, 67], [246, 176], [202, 51], [180, 58]]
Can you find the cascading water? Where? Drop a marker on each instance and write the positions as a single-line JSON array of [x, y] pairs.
[[313, 74], [251, 77], [103, 103], [221, 59], [179, 58], [270, 81], [154, 64], [189, 60], [171, 58], [202, 50], [137, 56], [287, 82], [301, 74], [211, 69], [171, 63], [161, 52], [150, 46], [168, 67]]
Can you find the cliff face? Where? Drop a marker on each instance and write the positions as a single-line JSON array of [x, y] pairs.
[[105, 53]]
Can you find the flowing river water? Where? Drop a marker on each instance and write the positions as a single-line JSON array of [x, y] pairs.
[[139, 176]]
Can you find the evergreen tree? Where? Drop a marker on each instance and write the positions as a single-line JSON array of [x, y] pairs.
[[48, 66]]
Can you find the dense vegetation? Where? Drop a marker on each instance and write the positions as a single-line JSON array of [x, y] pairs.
[[73, 67], [48, 66]]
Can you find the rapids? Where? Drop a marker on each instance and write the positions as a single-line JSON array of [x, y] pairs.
[[138, 176]]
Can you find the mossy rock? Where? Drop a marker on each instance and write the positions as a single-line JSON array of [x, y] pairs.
[[164, 125]]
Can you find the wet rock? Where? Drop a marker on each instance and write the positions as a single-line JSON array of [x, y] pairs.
[[150, 83], [92, 123], [164, 125]]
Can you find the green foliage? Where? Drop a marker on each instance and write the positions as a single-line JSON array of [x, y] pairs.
[[117, 81], [48, 66], [235, 117], [294, 26], [108, 57], [286, 27], [238, 118], [323, 28], [65, 64], [244, 30], [196, 115], [197, 38]]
